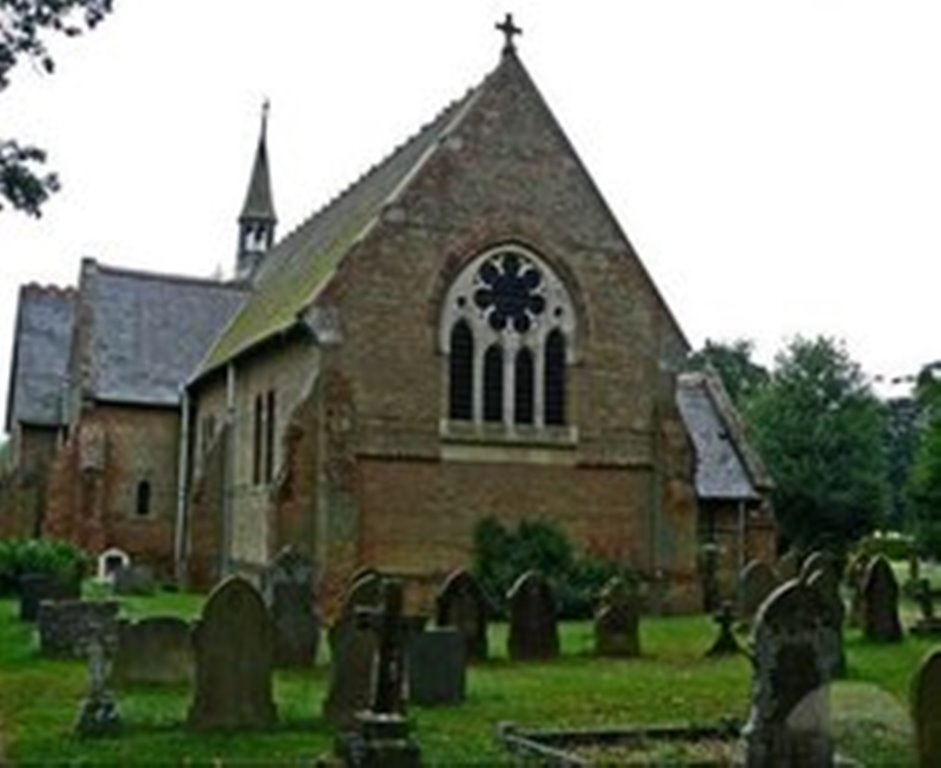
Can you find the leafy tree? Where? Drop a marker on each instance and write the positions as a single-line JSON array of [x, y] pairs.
[[901, 441], [24, 24], [732, 361], [925, 479], [821, 431]]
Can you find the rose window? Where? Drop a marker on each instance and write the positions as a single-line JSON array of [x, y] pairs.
[[509, 292]]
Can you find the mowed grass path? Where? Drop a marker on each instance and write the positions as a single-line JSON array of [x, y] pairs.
[[671, 682]]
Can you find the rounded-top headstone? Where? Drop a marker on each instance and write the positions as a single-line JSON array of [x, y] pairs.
[[617, 620], [788, 566], [533, 629], [288, 586], [881, 603], [461, 603], [926, 703], [757, 581], [817, 560]]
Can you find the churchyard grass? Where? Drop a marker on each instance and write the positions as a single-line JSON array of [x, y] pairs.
[[670, 683]]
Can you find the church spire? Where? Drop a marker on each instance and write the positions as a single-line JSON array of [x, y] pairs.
[[257, 220]]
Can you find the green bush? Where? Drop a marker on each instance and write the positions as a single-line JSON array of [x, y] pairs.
[[501, 556], [19, 556], [896, 546]]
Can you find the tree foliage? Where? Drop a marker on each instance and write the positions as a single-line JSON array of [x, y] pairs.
[[24, 27], [924, 488], [732, 361], [821, 431]]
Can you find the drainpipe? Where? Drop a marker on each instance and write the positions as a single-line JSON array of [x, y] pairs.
[[741, 535], [179, 544], [228, 481]]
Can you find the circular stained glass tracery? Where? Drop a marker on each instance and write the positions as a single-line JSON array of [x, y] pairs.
[[509, 292]]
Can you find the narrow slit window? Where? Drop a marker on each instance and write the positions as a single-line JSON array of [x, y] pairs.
[[142, 505], [493, 383], [269, 435], [525, 383], [256, 441], [555, 379], [461, 374]]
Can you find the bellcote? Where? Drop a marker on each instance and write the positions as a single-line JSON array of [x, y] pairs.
[[257, 220]]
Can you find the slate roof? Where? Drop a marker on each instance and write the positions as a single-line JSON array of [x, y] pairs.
[[258, 201], [727, 467], [291, 273], [143, 334], [41, 346]]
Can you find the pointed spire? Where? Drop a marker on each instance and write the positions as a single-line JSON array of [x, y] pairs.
[[258, 202]]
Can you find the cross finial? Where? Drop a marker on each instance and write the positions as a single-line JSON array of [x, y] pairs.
[[265, 109], [509, 30]]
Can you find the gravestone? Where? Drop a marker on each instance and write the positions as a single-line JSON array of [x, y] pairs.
[[36, 587], [824, 581], [66, 627], [381, 738], [98, 712], [232, 644], [136, 579], [855, 579], [925, 706], [437, 667], [788, 724], [109, 562], [881, 603], [534, 632], [155, 650], [352, 649], [788, 566], [928, 625], [818, 560], [288, 587], [461, 603], [756, 582], [617, 620], [725, 644]]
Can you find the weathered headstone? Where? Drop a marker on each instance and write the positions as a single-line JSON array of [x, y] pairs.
[[134, 579], [437, 667], [756, 582], [928, 625], [288, 587], [461, 603], [98, 713], [534, 631], [789, 720], [881, 603], [155, 650], [926, 704], [36, 587], [725, 644], [232, 643], [66, 627], [824, 581], [855, 577], [352, 649], [617, 620], [788, 566], [817, 560]]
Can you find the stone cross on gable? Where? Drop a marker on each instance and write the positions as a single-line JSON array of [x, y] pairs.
[[389, 624], [509, 30]]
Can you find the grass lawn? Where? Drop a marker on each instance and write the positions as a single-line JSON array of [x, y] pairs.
[[672, 682]]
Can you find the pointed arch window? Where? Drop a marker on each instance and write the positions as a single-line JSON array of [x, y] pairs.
[[461, 378], [525, 381], [554, 386], [493, 383]]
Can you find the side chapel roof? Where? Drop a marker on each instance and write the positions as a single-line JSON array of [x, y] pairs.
[[727, 467], [143, 334], [41, 346]]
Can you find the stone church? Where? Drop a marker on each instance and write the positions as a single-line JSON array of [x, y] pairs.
[[464, 332]]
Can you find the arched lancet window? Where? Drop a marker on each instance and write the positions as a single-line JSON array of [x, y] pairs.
[[461, 373], [143, 498], [508, 328], [493, 383], [554, 386], [525, 410]]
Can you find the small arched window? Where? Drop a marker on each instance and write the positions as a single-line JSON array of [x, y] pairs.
[[493, 383], [461, 373], [142, 506], [525, 387], [554, 386]]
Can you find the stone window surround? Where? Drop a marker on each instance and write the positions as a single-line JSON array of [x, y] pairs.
[[559, 313]]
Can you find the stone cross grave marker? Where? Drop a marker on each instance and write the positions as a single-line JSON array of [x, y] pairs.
[[725, 644], [756, 582], [534, 631], [232, 643], [67, 626], [98, 714], [925, 706], [789, 719], [288, 587], [881, 603], [617, 620], [351, 656], [461, 603]]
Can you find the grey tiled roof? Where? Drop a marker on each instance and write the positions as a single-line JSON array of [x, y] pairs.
[[726, 465], [258, 202], [144, 334], [41, 346]]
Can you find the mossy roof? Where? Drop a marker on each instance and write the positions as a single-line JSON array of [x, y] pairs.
[[296, 269]]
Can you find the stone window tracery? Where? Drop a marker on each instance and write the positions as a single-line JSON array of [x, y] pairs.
[[508, 330]]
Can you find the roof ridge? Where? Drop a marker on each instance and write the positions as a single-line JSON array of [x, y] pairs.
[[171, 277]]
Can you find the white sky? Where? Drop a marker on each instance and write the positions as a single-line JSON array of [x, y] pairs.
[[777, 165]]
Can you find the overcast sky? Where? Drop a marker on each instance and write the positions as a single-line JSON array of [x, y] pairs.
[[777, 165]]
